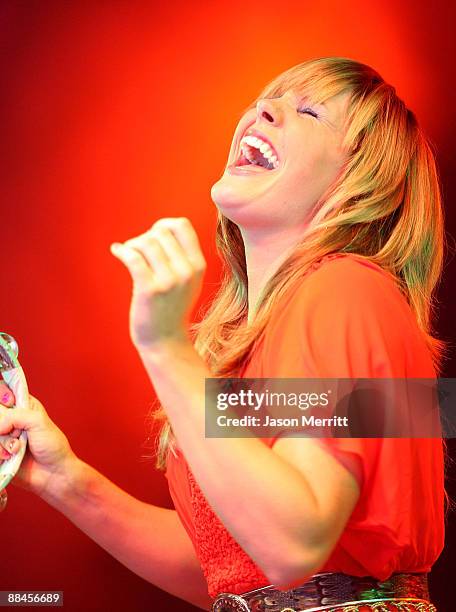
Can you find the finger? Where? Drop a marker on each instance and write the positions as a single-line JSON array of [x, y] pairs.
[[156, 258], [11, 422], [133, 260], [11, 445], [6, 395], [4, 454], [177, 258], [19, 419], [185, 233]]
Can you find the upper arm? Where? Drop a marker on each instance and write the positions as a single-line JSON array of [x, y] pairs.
[[335, 489]]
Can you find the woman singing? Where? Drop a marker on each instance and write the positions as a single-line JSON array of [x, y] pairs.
[[330, 228]]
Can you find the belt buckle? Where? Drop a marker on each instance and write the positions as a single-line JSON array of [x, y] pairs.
[[228, 602]]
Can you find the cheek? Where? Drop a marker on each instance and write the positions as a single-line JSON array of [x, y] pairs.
[[244, 122], [312, 171], [324, 163], [310, 163]]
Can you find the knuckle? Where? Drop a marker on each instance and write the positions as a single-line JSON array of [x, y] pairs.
[[160, 223], [152, 241], [132, 250], [164, 287], [185, 276], [148, 290], [134, 243]]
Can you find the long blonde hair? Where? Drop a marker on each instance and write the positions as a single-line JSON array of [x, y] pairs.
[[385, 206]]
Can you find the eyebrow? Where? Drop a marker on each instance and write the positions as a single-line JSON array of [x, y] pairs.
[[305, 97]]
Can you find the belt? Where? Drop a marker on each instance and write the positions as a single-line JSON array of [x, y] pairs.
[[335, 592]]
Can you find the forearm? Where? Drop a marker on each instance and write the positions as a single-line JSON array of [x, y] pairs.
[[147, 539], [262, 500]]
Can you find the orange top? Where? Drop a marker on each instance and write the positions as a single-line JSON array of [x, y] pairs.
[[346, 319]]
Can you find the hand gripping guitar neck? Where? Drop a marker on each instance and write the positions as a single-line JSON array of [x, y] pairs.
[[13, 375]]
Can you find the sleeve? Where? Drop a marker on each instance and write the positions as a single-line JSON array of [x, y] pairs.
[[350, 320], [177, 476]]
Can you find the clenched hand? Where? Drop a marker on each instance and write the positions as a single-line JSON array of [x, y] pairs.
[[166, 265]]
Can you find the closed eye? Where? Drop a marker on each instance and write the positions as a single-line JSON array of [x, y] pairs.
[[308, 110]]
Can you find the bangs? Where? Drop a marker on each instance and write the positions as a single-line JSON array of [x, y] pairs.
[[318, 80]]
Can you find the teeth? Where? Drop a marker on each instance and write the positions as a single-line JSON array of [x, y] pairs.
[[263, 147]]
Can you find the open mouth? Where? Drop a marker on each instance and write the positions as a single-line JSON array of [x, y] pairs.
[[257, 152]]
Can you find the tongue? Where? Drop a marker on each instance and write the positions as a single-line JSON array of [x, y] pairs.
[[244, 163], [254, 168], [260, 162]]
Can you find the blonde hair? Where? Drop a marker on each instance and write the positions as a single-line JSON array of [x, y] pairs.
[[385, 205]]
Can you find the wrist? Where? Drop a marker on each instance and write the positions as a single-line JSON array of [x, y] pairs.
[[165, 349], [65, 483]]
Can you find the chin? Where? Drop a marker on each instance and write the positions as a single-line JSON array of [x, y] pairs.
[[225, 195], [245, 202]]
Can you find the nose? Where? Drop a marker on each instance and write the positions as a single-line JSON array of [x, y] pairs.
[[269, 111]]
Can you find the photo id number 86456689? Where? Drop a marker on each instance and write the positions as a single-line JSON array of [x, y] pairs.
[[31, 598]]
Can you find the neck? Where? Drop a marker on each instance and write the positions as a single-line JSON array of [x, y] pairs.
[[264, 253]]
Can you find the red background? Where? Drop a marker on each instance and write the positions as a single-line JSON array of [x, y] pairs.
[[114, 114]]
